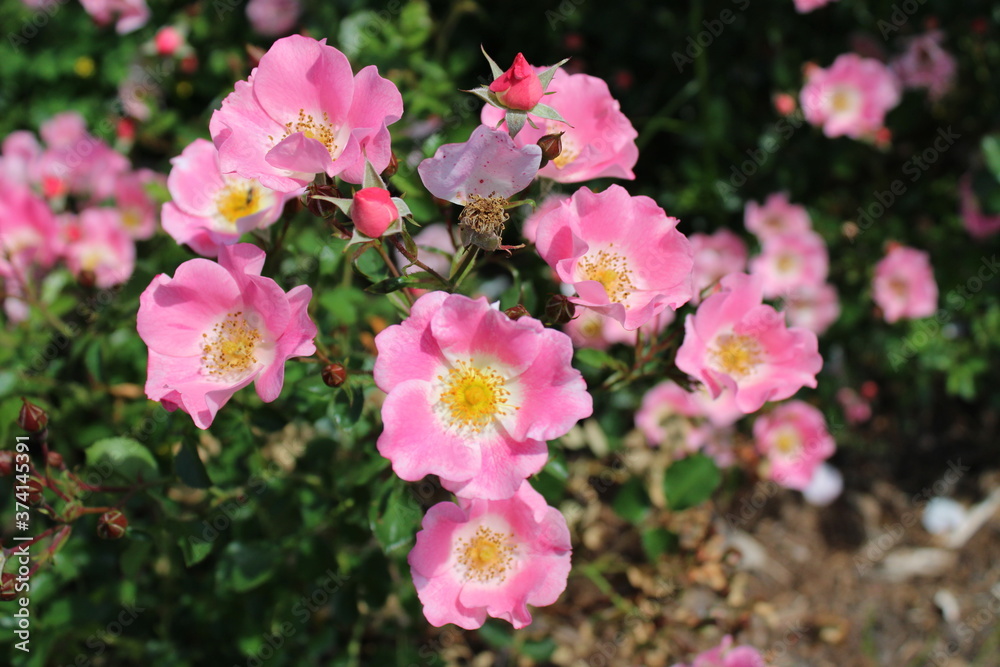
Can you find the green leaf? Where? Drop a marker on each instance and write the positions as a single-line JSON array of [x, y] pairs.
[[991, 151], [658, 541], [598, 359], [122, 459], [193, 543], [486, 95], [396, 519], [494, 68], [691, 481], [189, 467], [496, 635], [515, 121], [244, 566], [418, 279], [632, 502], [546, 76], [540, 650]]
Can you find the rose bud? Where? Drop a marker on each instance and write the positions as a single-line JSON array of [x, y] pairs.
[[32, 418], [168, 40], [36, 492], [6, 462], [559, 309], [54, 460], [519, 87], [516, 312], [551, 145], [334, 375], [7, 587], [373, 211], [111, 525], [391, 168]]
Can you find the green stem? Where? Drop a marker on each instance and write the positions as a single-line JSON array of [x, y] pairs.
[[463, 269]]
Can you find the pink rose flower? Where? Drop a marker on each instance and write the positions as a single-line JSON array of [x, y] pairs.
[[19, 155], [591, 329], [978, 224], [29, 237], [473, 395], [599, 141], [530, 224], [631, 270], [724, 655], [813, 307], [493, 558], [372, 211], [789, 261], [211, 209], [716, 256], [273, 17], [925, 64], [131, 14], [736, 342], [102, 247], [776, 216], [857, 409], [904, 284], [795, 441], [303, 112], [214, 328], [488, 164], [850, 98], [519, 87]]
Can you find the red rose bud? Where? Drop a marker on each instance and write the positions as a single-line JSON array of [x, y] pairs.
[[36, 492], [189, 64], [112, 525], [54, 460], [32, 418], [391, 168], [334, 375], [6, 462], [373, 211], [519, 87], [551, 145], [168, 40], [516, 312], [8, 591], [559, 309]]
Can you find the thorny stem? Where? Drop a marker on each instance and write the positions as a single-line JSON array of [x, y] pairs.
[[393, 270], [401, 247]]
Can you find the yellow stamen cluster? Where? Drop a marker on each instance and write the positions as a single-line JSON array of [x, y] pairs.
[[320, 130], [611, 270], [787, 441], [229, 349], [473, 396], [238, 200], [486, 556], [736, 355], [786, 262]]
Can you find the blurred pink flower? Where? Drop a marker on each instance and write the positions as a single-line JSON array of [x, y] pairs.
[[473, 395], [813, 307], [493, 558], [904, 284], [488, 164], [273, 17], [716, 256], [724, 655], [735, 342], [211, 209], [806, 6], [631, 270], [214, 328], [795, 440], [851, 97], [530, 225], [102, 247], [303, 112], [789, 261], [591, 329], [925, 64], [131, 14], [137, 208], [19, 156], [168, 40], [29, 237], [687, 421], [857, 409], [599, 141], [776, 216], [519, 87], [978, 224]]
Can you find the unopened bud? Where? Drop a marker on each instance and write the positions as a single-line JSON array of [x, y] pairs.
[[7, 590], [32, 418], [112, 525], [36, 492], [516, 312], [334, 375], [559, 309], [391, 168], [6, 462], [319, 207], [54, 460], [551, 145]]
